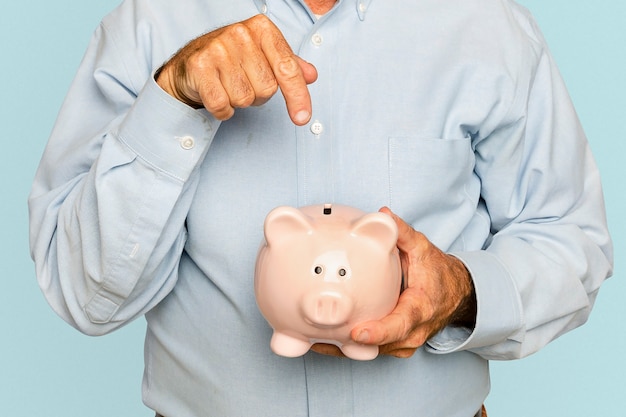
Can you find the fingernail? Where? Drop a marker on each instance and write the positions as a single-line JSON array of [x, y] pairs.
[[363, 336], [302, 117]]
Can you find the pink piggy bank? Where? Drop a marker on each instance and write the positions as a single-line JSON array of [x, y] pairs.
[[321, 270]]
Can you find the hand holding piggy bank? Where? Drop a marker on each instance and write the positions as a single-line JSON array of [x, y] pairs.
[[321, 270]]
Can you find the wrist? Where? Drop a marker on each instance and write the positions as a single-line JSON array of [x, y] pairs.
[[466, 311]]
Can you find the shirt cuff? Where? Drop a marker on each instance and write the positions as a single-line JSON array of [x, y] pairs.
[[499, 308], [166, 133]]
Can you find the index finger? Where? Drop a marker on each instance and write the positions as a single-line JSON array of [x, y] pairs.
[[289, 74]]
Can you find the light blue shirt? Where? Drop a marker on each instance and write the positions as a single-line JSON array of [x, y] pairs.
[[451, 113]]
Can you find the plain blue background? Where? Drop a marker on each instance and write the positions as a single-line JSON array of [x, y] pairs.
[[47, 368]]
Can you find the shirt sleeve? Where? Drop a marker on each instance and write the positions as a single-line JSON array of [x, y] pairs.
[[113, 189], [549, 250]]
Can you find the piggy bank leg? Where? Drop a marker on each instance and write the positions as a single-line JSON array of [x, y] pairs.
[[360, 352], [289, 346]]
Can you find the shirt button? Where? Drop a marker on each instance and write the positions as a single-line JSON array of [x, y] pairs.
[[362, 7], [317, 39], [317, 128], [187, 142]]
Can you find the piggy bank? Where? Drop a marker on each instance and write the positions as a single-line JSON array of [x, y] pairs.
[[321, 270]]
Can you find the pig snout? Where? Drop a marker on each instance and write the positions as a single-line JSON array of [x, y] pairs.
[[330, 309]]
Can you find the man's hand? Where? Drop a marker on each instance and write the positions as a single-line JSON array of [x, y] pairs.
[[238, 66], [438, 292]]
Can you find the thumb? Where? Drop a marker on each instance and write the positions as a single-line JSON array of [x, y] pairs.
[[309, 71], [391, 328], [408, 238], [369, 333]]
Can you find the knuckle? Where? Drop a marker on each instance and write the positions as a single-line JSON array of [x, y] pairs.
[[195, 64], [261, 21], [267, 89], [218, 105], [216, 52], [202, 61], [225, 114], [242, 99], [419, 339], [239, 31], [240, 92], [265, 81], [288, 68], [408, 325]]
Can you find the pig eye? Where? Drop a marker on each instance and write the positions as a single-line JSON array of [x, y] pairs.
[[342, 272], [318, 270]]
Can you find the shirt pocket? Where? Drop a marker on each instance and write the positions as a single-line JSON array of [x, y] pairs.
[[432, 185]]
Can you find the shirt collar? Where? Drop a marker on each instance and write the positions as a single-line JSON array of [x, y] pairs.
[[361, 7]]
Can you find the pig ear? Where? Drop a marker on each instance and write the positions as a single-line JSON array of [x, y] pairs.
[[377, 226], [284, 222]]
